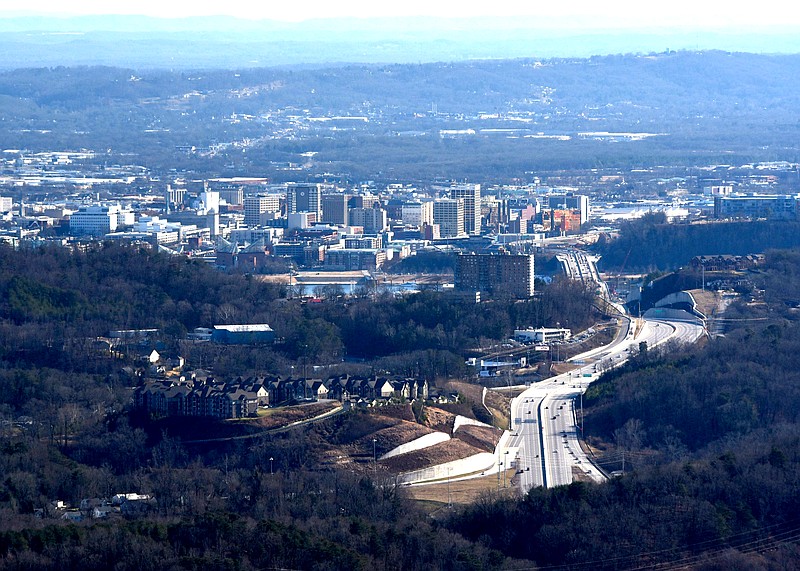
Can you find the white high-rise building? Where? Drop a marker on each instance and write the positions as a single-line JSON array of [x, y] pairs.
[[418, 213], [471, 194], [255, 206], [208, 202], [448, 213], [94, 220]]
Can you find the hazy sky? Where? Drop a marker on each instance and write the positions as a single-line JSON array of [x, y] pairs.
[[564, 13]]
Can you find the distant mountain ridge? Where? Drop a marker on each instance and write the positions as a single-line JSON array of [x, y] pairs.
[[227, 42]]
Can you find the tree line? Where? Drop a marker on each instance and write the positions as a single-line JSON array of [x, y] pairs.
[[649, 244]]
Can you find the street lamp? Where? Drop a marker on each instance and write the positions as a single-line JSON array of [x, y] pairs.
[[270, 465], [506, 470], [449, 501], [374, 455]]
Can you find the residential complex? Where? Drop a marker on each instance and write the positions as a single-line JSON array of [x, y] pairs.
[[497, 274]]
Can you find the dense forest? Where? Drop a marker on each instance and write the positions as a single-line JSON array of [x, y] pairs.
[[649, 244], [66, 432], [47, 317]]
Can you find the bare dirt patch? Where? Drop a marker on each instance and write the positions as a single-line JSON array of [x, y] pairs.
[[463, 492], [433, 455], [482, 437], [439, 419], [393, 436], [278, 417]]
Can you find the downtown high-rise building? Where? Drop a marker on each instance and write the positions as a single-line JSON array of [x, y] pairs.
[[255, 206], [417, 213], [373, 220], [334, 208], [471, 195], [570, 201], [304, 197], [448, 213]]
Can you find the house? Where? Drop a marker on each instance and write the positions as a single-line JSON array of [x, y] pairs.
[[72, 515], [137, 508], [317, 389], [119, 499], [88, 504], [152, 357], [103, 512]]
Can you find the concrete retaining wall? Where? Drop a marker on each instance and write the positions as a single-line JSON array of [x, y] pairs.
[[483, 462], [417, 444], [465, 421]]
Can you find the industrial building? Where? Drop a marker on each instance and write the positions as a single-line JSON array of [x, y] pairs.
[[542, 335], [242, 334], [756, 206]]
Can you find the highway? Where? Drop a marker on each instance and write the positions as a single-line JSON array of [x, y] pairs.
[[545, 443], [545, 440]]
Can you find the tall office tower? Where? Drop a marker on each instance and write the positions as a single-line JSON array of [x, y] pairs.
[[304, 197], [418, 213], [208, 201], [364, 201], [497, 274], [374, 220], [231, 195], [448, 213], [255, 206], [334, 208], [471, 194], [496, 210]]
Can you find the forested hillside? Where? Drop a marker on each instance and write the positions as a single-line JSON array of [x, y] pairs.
[[66, 432], [525, 117], [111, 286], [650, 244]]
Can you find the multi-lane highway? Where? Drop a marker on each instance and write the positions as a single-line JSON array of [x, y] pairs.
[[545, 444]]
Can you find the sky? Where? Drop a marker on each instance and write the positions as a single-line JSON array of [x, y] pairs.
[[562, 13]]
